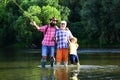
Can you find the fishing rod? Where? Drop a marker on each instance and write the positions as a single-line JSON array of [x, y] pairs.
[[18, 5], [28, 16]]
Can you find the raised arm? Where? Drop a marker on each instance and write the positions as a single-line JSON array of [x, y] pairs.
[[34, 24]]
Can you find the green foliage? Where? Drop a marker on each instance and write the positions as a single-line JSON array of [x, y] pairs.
[[64, 12], [53, 3], [15, 17], [34, 10], [95, 23], [48, 12], [74, 7], [25, 33], [99, 21], [1, 36], [32, 13]]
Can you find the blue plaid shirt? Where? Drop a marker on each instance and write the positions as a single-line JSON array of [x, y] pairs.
[[62, 38]]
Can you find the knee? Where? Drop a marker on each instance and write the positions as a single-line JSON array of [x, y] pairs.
[[44, 57]]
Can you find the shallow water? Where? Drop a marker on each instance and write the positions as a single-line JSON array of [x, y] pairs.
[[24, 66]]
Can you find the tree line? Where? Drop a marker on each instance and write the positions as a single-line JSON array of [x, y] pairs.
[[96, 23]]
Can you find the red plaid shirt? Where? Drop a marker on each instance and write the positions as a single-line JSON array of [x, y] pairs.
[[48, 39]]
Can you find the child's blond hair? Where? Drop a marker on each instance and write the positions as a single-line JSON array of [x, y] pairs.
[[74, 38]]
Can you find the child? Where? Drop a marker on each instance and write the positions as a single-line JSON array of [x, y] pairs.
[[73, 45]]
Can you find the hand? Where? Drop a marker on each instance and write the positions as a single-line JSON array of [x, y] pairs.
[[56, 27], [66, 28], [33, 23]]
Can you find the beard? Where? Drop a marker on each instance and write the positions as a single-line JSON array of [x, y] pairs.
[[63, 27], [52, 24]]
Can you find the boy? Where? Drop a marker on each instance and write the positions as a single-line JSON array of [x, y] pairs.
[[73, 45]]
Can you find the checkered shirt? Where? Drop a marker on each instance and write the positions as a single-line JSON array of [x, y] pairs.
[[63, 38], [48, 39]]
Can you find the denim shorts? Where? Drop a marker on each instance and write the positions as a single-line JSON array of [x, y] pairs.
[[48, 50]]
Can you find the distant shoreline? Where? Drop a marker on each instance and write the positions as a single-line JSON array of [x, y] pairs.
[[99, 51], [90, 50], [79, 50]]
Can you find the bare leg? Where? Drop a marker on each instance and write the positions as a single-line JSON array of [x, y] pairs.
[[58, 64], [65, 64], [52, 61]]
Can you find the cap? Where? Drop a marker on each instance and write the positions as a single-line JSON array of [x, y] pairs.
[[53, 18], [63, 22]]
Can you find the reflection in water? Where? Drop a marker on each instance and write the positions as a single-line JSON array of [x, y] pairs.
[[48, 74], [62, 73], [69, 73], [74, 73]]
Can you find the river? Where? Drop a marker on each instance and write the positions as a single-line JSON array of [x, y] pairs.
[[94, 65]]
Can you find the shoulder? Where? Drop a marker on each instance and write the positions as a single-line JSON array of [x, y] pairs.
[[68, 31], [58, 30], [44, 26], [77, 44], [56, 27]]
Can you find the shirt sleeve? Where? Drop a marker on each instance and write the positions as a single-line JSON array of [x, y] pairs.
[[42, 28], [70, 34], [56, 34]]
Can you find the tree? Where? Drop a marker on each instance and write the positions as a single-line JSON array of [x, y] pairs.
[[48, 12], [17, 15]]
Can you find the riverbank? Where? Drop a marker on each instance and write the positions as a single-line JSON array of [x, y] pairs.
[[99, 51], [79, 50]]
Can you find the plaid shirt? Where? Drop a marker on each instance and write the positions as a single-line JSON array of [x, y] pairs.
[[48, 39], [62, 38]]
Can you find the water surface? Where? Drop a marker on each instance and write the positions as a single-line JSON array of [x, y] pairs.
[[24, 66]]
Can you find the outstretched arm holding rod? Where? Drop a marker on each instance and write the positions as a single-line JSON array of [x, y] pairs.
[[34, 24]]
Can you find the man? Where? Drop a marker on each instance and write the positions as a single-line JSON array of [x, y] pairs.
[[62, 37], [48, 44]]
